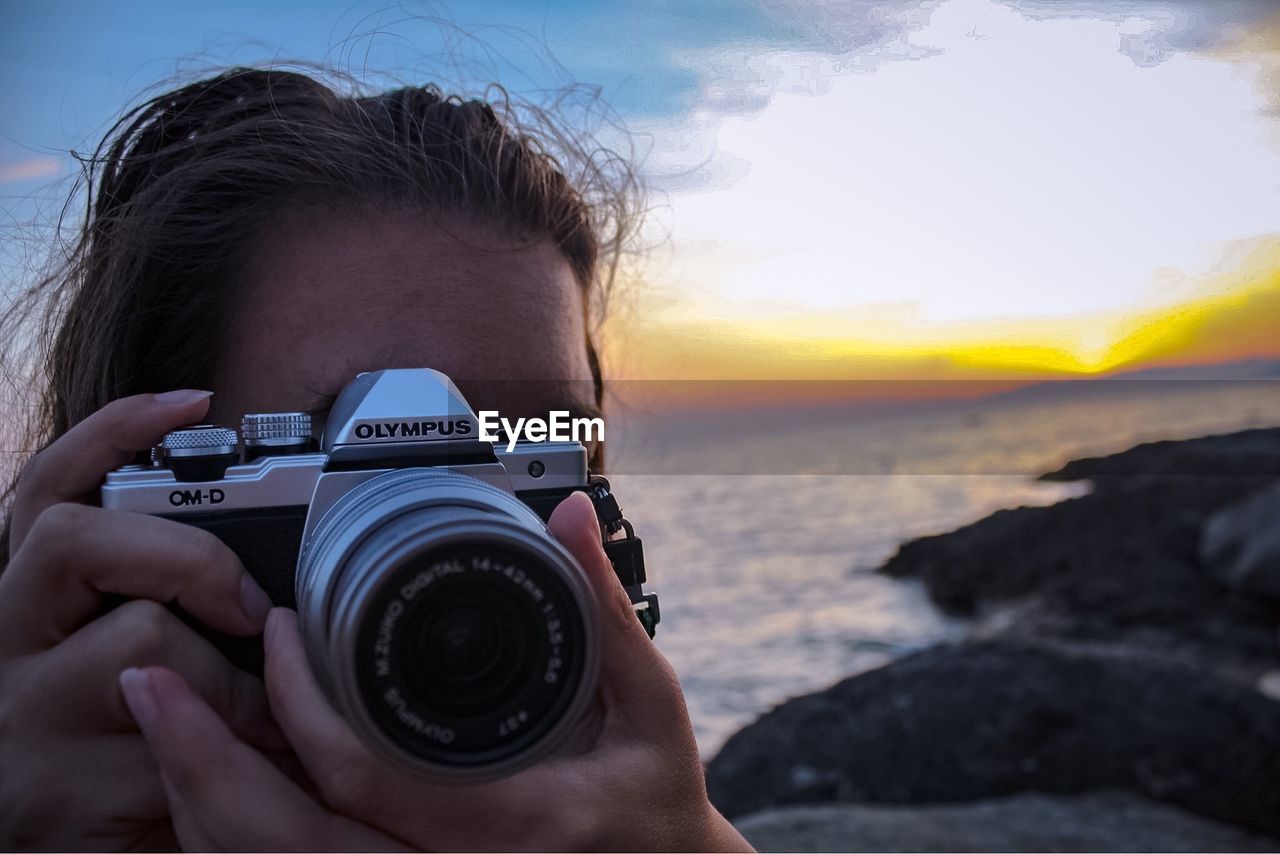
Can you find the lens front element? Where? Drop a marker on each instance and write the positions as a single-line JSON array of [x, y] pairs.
[[470, 653]]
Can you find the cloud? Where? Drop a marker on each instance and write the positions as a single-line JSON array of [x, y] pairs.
[[1257, 48], [1153, 32], [30, 170], [879, 29], [1049, 186], [1150, 31], [809, 45], [811, 42], [830, 38], [1033, 172]]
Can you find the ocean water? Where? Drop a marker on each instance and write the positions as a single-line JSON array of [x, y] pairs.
[[766, 578]]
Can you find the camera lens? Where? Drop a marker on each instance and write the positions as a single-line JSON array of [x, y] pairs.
[[470, 653], [456, 636]]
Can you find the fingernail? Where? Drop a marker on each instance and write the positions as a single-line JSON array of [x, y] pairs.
[[183, 396], [253, 600], [140, 696], [273, 618]]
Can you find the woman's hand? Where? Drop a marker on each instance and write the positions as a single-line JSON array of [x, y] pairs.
[[76, 772], [636, 784]]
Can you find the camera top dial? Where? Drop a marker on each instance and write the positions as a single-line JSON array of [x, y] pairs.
[[202, 452]]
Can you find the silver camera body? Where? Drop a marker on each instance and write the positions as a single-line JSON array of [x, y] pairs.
[[456, 636]]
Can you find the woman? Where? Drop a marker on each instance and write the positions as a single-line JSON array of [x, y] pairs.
[[253, 241]]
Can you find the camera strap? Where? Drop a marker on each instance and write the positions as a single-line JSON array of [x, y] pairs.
[[626, 553]]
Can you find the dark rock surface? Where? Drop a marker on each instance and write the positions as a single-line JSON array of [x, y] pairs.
[[978, 720], [1118, 644], [1099, 822], [1121, 563], [1241, 543], [1248, 453]]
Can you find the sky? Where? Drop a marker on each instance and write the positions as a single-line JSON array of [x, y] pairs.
[[891, 189]]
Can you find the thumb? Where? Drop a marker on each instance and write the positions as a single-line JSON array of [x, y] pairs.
[[639, 683]]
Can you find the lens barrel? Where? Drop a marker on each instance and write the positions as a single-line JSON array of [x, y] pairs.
[[454, 634]]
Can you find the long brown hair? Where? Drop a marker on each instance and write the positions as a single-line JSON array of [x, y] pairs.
[[180, 187]]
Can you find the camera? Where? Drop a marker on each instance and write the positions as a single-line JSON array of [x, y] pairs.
[[455, 635]]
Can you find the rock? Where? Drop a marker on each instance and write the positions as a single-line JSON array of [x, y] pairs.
[[1099, 822], [1249, 453], [981, 720], [1105, 657], [1242, 543], [1121, 563]]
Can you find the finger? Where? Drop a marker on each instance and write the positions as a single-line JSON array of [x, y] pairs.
[[638, 681], [78, 684], [354, 782], [76, 554], [332, 754], [297, 701], [75, 464], [224, 796]]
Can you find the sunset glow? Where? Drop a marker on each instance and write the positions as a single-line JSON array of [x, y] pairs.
[[1236, 317]]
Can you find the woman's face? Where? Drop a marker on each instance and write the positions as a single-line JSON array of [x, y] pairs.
[[330, 298]]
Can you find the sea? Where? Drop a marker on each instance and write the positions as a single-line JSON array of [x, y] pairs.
[[763, 532]]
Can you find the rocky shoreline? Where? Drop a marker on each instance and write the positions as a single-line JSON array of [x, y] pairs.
[[1121, 659], [1096, 822]]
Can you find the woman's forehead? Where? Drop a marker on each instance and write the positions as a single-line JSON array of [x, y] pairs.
[[329, 298]]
